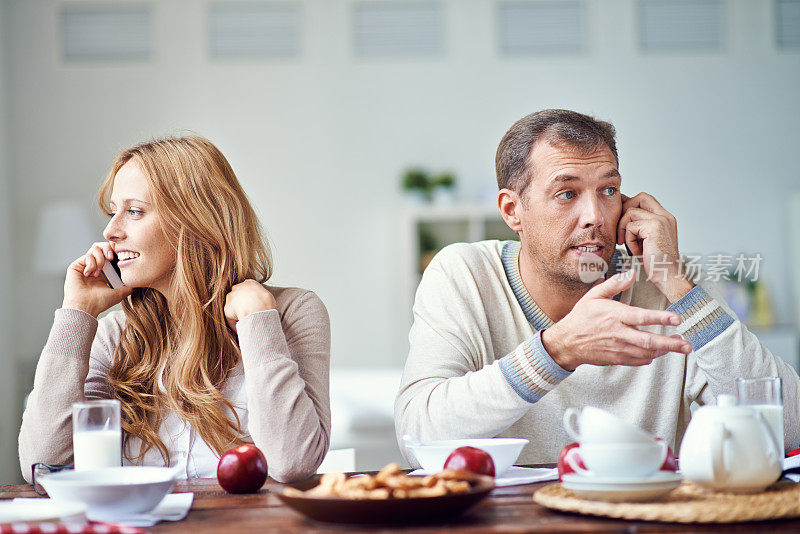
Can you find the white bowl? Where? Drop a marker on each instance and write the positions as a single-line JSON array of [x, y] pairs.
[[504, 452], [111, 492]]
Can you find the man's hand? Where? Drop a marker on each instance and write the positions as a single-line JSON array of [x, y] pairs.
[[651, 232], [246, 298], [601, 331]]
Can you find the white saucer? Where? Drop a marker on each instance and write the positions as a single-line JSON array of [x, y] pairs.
[[616, 489], [659, 477]]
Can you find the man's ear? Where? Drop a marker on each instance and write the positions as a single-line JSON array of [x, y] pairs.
[[509, 202]]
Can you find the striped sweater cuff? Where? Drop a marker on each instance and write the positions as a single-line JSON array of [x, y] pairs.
[[530, 371], [702, 317]]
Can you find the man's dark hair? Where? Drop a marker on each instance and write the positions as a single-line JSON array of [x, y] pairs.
[[557, 126]]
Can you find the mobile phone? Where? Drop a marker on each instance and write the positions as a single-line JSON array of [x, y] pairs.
[[112, 273]]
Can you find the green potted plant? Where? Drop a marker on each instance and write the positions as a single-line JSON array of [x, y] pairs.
[[420, 182]]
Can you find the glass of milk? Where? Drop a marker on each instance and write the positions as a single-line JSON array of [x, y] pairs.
[[764, 395], [96, 434]]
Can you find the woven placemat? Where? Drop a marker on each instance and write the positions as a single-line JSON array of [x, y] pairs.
[[685, 504]]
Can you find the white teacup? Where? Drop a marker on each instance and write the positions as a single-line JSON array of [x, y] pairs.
[[620, 460], [599, 426]]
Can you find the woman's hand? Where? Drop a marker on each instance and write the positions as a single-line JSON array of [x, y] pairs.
[[246, 298], [85, 288]]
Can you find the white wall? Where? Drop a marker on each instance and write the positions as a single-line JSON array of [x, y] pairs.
[[8, 414], [319, 142]]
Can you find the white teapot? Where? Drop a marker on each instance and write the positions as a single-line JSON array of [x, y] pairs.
[[730, 448]]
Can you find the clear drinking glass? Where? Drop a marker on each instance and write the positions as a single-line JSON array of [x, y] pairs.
[[764, 395], [96, 434]]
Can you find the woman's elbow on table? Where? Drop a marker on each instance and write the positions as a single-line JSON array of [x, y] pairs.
[[300, 463], [293, 470], [26, 471], [28, 456]]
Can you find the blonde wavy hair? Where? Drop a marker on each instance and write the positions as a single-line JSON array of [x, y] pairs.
[[218, 241]]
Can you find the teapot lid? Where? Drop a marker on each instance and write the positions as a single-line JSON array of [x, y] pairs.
[[726, 401]]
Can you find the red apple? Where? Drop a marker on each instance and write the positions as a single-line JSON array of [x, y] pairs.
[[563, 467], [242, 469], [670, 463], [472, 459]]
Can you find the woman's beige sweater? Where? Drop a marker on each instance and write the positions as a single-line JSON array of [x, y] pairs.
[[280, 389]]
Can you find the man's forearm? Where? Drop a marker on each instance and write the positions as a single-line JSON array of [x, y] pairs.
[[676, 287], [478, 404], [726, 349]]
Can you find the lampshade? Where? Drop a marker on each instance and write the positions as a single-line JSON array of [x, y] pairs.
[[63, 233]]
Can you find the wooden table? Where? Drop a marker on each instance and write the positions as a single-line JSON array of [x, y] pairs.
[[506, 510]]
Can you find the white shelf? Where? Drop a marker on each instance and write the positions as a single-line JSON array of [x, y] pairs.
[[444, 224]]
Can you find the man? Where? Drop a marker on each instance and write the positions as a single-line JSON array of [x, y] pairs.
[[508, 335]]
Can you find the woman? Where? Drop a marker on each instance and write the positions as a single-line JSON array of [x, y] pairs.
[[203, 356]]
